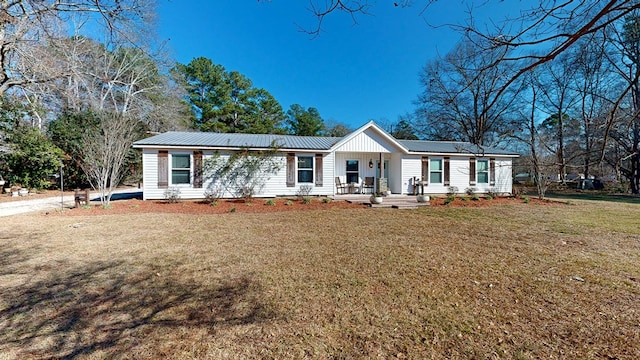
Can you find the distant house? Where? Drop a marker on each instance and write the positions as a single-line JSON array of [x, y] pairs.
[[175, 159]]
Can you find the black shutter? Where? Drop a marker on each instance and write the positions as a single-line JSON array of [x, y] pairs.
[[163, 169]]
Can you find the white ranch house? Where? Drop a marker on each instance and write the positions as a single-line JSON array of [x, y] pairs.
[[175, 159]]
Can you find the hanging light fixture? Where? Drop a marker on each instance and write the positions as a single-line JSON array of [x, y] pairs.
[[370, 163]]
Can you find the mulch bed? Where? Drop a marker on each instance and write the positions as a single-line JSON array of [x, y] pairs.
[[263, 205]]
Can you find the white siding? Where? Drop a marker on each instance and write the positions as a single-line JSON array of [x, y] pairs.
[[504, 175], [275, 185], [363, 166], [411, 167], [150, 175], [368, 141], [402, 169], [458, 175]]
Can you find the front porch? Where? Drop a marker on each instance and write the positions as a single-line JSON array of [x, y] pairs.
[[395, 201]]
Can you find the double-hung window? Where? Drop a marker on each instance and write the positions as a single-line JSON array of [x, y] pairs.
[[435, 171], [483, 171], [305, 169], [352, 171], [180, 169]]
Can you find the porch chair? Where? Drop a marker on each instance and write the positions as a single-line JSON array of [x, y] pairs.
[[368, 184], [340, 187]]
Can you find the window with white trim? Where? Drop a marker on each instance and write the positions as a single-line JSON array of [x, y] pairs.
[[482, 171], [305, 169], [353, 175], [180, 169], [435, 171]]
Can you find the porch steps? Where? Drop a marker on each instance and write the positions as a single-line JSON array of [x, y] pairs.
[[395, 202]]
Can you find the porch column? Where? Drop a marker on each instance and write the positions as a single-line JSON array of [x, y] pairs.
[[382, 181]]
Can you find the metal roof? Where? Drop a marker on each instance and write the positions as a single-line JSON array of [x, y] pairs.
[[450, 147], [318, 143], [234, 140]]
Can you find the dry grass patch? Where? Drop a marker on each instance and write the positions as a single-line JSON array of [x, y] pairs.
[[510, 281]]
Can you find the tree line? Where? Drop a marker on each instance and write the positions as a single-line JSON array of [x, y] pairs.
[[79, 101], [560, 82]]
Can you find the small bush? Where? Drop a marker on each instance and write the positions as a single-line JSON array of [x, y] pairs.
[[304, 191], [493, 193], [525, 199], [489, 197], [233, 209], [270, 202], [212, 196], [326, 200], [306, 200], [475, 197], [172, 195], [449, 199], [464, 198], [214, 203], [452, 190], [288, 203], [470, 190]]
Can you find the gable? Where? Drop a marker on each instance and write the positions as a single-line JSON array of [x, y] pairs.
[[369, 140]]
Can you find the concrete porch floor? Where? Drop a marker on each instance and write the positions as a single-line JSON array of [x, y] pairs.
[[391, 201]]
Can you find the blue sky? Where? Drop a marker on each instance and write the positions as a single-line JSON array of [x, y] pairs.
[[350, 73]]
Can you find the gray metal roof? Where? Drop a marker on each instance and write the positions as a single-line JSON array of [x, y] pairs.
[[227, 140], [264, 141], [450, 147]]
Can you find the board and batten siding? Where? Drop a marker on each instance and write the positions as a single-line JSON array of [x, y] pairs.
[[363, 166], [367, 141]]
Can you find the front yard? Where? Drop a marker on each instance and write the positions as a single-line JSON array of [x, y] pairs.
[[513, 280]]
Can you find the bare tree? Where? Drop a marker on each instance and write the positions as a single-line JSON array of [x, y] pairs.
[[558, 98], [30, 28], [104, 152], [462, 97], [540, 166]]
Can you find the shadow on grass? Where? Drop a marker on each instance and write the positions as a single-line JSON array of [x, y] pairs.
[[108, 308], [593, 196]]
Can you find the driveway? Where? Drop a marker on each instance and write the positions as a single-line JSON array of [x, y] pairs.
[[52, 203]]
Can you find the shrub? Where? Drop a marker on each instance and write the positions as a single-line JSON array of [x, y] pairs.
[[288, 203], [270, 202], [489, 197], [326, 200], [525, 199], [233, 209], [304, 191], [452, 191], [493, 193], [172, 195], [464, 198], [470, 190], [306, 200], [212, 195], [449, 199], [475, 197]]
